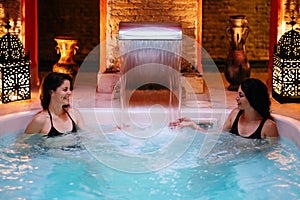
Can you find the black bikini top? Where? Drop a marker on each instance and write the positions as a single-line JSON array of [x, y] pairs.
[[53, 132], [255, 135]]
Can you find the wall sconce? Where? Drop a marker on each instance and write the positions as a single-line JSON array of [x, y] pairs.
[[14, 69], [286, 67]]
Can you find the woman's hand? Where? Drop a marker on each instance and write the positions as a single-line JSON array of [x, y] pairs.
[[184, 122]]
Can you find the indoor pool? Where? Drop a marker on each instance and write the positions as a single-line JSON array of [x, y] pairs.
[[108, 163]]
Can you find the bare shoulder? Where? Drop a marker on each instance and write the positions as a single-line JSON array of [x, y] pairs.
[[229, 121], [76, 111], [234, 112], [232, 115], [77, 117], [270, 129], [73, 112], [40, 117], [37, 123]]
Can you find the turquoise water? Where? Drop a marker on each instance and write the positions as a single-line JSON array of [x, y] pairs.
[[69, 167]]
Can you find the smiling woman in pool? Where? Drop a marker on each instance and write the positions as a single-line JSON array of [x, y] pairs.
[[251, 118], [57, 116]]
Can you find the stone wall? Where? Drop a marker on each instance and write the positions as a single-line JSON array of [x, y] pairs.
[[215, 19], [182, 11], [67, 17], [81, 19], [146, 11]]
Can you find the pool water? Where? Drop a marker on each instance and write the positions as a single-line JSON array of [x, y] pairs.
[[85, 166]]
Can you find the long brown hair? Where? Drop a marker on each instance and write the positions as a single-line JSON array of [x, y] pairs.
[[51, 82], [258, 96]]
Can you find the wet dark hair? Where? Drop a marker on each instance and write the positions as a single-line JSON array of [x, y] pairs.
[[258, 96], [50, 83]]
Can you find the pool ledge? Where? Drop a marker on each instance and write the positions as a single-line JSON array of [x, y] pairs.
[[16, 122], [288, 127]]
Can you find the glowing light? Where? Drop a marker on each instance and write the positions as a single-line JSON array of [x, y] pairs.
[[142, 31], [14, 70], [286, 68]]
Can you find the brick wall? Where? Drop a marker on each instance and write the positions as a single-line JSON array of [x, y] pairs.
[[81, 19], [153, 11], [215, 19], [67, 17], [182, 11]]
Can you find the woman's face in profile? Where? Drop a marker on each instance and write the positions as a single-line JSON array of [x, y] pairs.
[[241, 99], [62, 94]]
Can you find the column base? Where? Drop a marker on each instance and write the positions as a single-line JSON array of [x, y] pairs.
[[106, 82], [192, 83]]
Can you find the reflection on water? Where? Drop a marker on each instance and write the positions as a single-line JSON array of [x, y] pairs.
[[229, 147], [36, 167]]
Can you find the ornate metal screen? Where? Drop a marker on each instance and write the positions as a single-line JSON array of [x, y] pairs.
[[14, 70], [286, 68]]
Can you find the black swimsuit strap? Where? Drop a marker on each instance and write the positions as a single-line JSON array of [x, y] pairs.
[[69, 116], [257, 132], [53, 132], [234, 128], [50, 117], [255, 135], [65, 111], [74, 129]]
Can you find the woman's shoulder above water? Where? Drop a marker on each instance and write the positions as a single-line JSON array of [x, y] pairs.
[[37, 124], [269, 129], [77, 117]]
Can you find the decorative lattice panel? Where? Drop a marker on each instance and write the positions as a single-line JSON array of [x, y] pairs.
[[290, 79], [286, 68], [289, 44], [14, 69], [277, 75], [15, 83], [286, 80], [11, 48]]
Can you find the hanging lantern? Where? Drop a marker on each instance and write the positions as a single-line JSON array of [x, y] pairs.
[[286, 67], [14, 69]]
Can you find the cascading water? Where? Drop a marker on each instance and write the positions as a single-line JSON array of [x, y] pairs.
[[151, 54]]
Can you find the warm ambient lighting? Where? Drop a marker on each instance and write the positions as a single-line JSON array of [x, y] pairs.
[[67, 47], [146, 31], [286, 67], [14, 69]]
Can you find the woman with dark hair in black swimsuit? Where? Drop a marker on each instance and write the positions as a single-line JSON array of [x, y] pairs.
[[57, 116], [251, 118]]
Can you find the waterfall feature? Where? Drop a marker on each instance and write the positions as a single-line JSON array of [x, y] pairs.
[[151, 54]]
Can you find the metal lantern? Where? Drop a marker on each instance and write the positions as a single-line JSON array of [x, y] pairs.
[[14, 69], [286, 68]]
